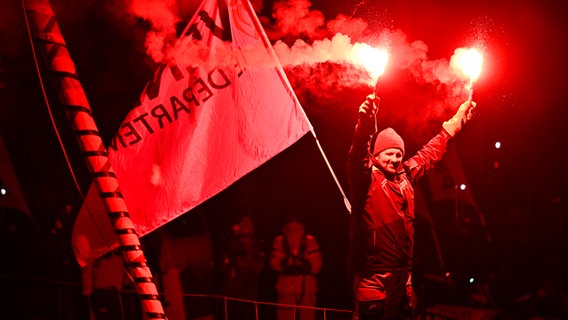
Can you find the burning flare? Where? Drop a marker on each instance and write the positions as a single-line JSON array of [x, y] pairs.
[[374, 60], [469, 63]]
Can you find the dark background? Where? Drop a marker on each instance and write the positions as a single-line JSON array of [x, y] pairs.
[[521, 103]]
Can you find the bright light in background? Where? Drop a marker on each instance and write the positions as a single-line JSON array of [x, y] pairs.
[[471, 280], [462, 186], [496, 164], [3, 191], [374, 60]]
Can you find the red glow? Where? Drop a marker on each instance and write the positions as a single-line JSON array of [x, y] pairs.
[[374, 60], [468, 62]]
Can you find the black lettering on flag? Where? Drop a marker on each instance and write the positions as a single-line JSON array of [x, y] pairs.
[[153, 87], [176, 72], [203, 88], [130, 131], [223, 33], [159, 112], [160, 116], [217, 31], [190, 97], [177, 106], [216, 83], [193, 32], [142, 118], [114, 142]]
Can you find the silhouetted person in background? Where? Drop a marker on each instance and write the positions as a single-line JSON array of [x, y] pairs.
[[296, 257], [110, 291], [242, 261], [382, 219]]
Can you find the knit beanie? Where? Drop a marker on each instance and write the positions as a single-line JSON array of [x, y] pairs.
[[386, 139]]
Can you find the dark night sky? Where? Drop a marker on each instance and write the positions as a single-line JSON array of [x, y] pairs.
[[520, 96]]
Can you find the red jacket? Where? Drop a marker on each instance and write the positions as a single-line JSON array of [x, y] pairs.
[[382, 217]]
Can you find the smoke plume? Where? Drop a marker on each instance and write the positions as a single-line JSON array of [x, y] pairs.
[[319, 55]]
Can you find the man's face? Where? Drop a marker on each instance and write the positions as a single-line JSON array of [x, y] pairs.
[[389, 160]]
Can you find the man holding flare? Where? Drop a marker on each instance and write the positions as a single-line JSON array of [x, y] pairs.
[[382, 217]]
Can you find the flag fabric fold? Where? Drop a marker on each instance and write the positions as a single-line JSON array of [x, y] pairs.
[[219, 110]]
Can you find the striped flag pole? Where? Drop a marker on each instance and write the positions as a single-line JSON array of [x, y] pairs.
[[47, 37]]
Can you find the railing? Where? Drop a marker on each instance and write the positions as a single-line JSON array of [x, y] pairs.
[[324, 311], [47, 299], [40, 298]]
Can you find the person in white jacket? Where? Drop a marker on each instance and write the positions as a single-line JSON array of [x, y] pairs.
[[296, 257]]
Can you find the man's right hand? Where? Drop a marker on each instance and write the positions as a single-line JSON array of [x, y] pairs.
[[369, 107], [367, 113]]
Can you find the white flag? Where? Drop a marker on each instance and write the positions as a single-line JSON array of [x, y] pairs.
[[221, 110]]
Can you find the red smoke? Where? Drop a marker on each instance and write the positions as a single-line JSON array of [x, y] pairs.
[[319, 41], [316, 54]]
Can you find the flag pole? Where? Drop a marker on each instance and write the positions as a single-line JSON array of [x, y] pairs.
[[284, 79], [45, 33]]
